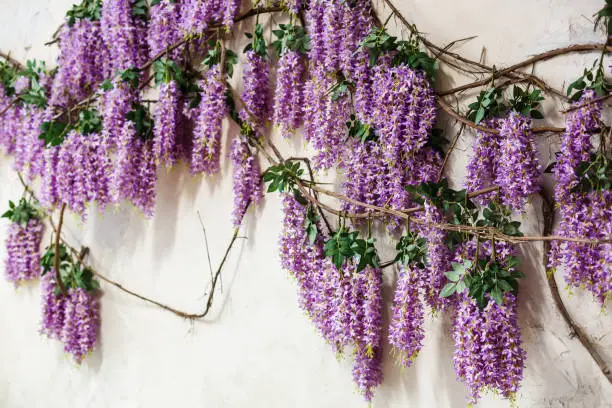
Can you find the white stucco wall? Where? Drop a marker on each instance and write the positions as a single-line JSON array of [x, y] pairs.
[[256, 349]]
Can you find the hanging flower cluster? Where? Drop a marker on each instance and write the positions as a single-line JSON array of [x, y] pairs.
[[585, 204], [22, 261], [246, 179]]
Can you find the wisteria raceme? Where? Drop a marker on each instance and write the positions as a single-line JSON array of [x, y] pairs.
[[583, 214], [97, 166], [82, 62], [438, 259], [256, 93], [288, 96], [332, 25], [325, 121], [367, 167], [206, 150], [116, 103], [49, 193], [70, 173], [406, 329], [81, 322], [127, 165], [166, 124], [164, 29], [482, 166], [586, 265], [124, 34], [576, 146], [34, 157], [246, 179], [488, 353], [22, 261], [53, 307], [317, 33], [518, 172], [198, 15], [230, 11], [356, 24], [9, 125], [367, 371], [294, 6], [371, 279]]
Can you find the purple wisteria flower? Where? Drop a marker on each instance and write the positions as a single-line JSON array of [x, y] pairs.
[[206, 150], [49, 184], [124, 35], [482, 166], [256, 92], [166, 124], [246, 179], [367, 372], [288, 96], [82, 62], [115, 104], [488, 353], [53, 307], [70, 173], [81, 323], [22, 261], [518, 172], [406, 329], [164, 29]]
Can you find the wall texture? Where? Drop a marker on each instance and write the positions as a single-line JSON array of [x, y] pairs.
[[256, 348]]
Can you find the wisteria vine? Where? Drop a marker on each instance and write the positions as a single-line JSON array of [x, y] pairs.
[[367, 103]]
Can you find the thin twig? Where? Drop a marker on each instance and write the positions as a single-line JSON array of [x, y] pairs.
[[587, 103], [449, 151], [56, 255], [11, 60]]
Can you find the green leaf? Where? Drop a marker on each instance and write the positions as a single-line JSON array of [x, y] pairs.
[[448, 290]]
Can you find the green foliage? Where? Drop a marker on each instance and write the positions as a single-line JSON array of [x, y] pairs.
[[291, 38], [312, 220], [143, 123], [107, 85], [72, 273], [594, 175], [498, 217], [54, 132], [378, 42], [34, 95], [87, 9], [140, 10], [411, 249], [156, 2], [483, 277], [345, 244], [361, 131], [8, 75], [166, 70], [408, 53], [282, 176], [22, 212], [488, 105], [130, 76], [90, 121], [606, 14], [258, 43], [527, 103], [341, 88], [213, 57], [593, 79]]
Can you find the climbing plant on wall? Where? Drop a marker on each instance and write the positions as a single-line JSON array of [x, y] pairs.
[[367, 103]]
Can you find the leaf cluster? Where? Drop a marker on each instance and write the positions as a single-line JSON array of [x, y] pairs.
[[411, 249], [282, 176], [489, 104], [361, 131], [21, 213], [213, 57], [87, 9], [498, 217], [606, 14], [258, 42], [312, 224], [593, 79], [53, 132], [291, 38], [166, 70], [72, 273], [143, 122], [341, 88], [140, 10], [8, 75], [34, 95], [436, 140], [345, 245], [484, 279], [156, 2], [527, 103], [594, 175], [89, 122]]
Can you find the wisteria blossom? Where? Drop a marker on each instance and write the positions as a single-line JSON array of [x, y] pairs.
[[22, 261], [166, 125], [81, 323], [256, 94], [246, 179], [288, 95]]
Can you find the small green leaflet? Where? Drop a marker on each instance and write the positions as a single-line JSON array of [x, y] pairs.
[[340, 246], [166, 70], [140, 9], [282, 176], [214, 57], [594, 175], [87, 9], [22, 212], [131, 76], [312, 229], [527, 103], [258, 43], [54, 132], [363, 132], [456, 284], [411, 249], [90, 121], [143, 123], [593, 79], [488, 105], [290, 38]]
